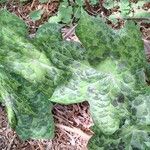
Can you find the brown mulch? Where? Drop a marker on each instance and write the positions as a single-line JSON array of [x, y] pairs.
[[73, 122]]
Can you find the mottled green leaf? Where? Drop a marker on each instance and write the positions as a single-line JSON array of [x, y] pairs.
[[39, 126], [25, 85], [36, 14], [12, 21]]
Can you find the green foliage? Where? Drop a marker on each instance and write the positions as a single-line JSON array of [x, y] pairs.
[[108, 71], [24, 82], [67, 12], [119, 99], [36, 15], [127, 9]]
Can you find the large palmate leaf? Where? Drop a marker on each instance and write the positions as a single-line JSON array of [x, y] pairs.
[[131, 137], [108, 83], [133, 132], [109, 78], [124, 66], [28, 79]]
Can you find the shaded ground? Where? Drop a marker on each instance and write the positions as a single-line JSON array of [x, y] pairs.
[[73, 122]]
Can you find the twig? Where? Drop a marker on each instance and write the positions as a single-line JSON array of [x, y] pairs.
[[63, 119], [40, 146], [74, 130], [32, 4], [11, 142], [69, 32], [49, 1], [31, 145]]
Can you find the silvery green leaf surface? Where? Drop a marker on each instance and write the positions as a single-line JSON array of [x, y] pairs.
[[98, 30], [24, 81], [121, 67]]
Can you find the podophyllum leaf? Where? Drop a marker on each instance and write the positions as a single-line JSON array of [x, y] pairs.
[[32, 65], [5, 91], [68, 57], [11, 99], [141, 108], [108, 96], [131, 48], [12, 22], [125, 77], [101, 142], [141, 140], [104, 86], [133, 132], [127, 138], [40, 126], [25, 85], [48, 34], [36, 125], [11, 116], [105, 92], [119, 44], [96, 37], [75, 90], [8, 92]]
